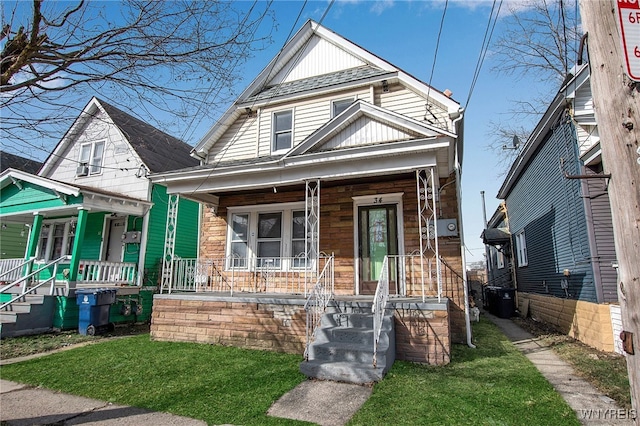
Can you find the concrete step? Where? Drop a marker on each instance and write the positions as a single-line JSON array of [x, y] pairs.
[[350, 372], [8, 317], [21, 307], [354, 320], [16, 320]]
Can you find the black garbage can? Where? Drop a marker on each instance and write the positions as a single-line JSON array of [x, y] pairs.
[[505, 301], [94, 305]]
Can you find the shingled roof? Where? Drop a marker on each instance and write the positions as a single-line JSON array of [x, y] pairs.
[[160, 151], [11, 161]]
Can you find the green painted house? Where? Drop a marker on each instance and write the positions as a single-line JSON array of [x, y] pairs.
[[94, 221]]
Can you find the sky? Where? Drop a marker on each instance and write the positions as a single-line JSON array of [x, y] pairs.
[[407, 34]]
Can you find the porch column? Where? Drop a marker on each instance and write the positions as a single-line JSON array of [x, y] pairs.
[[34, 236], [312, 228], [76, 251], [166, 281], [428, 224]]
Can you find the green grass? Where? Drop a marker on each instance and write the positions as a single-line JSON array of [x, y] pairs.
[[491, 385]]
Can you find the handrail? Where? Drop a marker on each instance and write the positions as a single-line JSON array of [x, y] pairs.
[[21, 265], [379, 304], [24, 292], [317, 302]]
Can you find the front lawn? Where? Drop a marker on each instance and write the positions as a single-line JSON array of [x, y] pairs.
[[491, 385]]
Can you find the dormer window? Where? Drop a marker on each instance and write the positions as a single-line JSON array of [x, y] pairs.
[[91, 158], [282, 131], [338, 106]]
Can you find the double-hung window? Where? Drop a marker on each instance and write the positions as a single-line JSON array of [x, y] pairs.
[[56, 240], [282, 131], [268, 236], [521, 247], [91, 155]]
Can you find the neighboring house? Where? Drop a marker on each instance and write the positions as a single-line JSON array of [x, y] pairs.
[[559, 221], [13, 236], [95, 217], [333, 167]]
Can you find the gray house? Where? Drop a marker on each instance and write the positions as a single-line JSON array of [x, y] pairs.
[[553, 238]]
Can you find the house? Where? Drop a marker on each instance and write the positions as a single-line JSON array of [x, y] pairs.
[[333, 177], [553, 237], [94, 220], [13, 236]]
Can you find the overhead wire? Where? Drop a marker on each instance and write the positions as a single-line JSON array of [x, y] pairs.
[[484, 48], [435, 54]]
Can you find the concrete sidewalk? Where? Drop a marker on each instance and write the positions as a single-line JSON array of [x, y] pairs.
[[590, 405]]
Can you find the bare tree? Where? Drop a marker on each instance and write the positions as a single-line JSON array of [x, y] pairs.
[[538, 44], [181, 57]]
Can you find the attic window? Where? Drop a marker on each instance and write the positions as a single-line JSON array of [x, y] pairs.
[[91, 157], [338, 106], [282, 131]]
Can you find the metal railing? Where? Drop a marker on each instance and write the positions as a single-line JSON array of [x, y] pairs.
[[379, 305], [102, 272], [415, 275], [13, 269], [318, 300], [31, 279], [249, 275]]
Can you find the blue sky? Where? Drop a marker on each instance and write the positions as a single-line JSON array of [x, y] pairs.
[[405, 34]]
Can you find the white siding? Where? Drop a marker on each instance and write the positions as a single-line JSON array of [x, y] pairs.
[[364, 131], [403, 101], [119, 165], [587, 137], [317, 58], [238, 142]]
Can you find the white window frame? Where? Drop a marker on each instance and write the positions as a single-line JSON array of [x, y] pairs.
[[521, 247], [340, 101], [286, 237], [275, 133], [499, 258], [67, 238], [94, 163]]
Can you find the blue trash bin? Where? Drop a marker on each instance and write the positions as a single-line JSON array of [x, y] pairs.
[[94, 305]]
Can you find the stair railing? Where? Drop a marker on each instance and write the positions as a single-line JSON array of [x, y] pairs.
[[317, 302], [27, 279], [16, 265], [379, 305]]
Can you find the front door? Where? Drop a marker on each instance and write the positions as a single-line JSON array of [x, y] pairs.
[[117, 227], [377, 238]]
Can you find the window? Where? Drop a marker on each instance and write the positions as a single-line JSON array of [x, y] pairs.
[[338, 106], [282, 131], [91, 155], [273, 235], [500, 259], [521, 246], [56, 240]]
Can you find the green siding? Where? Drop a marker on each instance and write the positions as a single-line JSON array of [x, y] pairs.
[[132, 251], [186, 232], [93, 236], [13, 245], [31, 197]]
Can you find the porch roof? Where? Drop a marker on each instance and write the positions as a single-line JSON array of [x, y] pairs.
[[51, 198], [496, 236]]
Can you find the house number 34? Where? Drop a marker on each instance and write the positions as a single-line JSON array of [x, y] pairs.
[[377, 200]]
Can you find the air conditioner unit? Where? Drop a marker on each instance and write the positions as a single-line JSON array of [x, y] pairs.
[[82, 170]]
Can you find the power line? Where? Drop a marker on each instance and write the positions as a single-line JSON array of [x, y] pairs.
[[435, 54]]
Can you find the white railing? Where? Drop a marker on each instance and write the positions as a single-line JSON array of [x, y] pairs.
[[379, 305], [318, 300], [102, 272], [12, 269], [30, 282], [249, 275], [414, 275]]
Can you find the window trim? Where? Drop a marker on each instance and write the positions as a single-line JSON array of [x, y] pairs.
[[286, 237], [91, 163], [499, 258], [67, 242], [335, 101], [274, 132], [521, 246]]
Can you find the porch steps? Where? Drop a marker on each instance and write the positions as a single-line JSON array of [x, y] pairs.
[[343, 349], [31, 314]]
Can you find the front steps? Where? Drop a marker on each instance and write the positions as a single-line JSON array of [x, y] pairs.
[[343, 349], [31, 314]]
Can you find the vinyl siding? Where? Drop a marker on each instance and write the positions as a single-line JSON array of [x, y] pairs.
[[406, 102], [12, 244], [119, 166], [31, 197], [549, 208], [93, 236]]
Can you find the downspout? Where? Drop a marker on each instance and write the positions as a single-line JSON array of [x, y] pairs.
[[457, 167]]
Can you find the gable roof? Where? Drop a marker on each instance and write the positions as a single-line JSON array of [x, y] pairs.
[[272, 82], [159, 151], [11, 161]]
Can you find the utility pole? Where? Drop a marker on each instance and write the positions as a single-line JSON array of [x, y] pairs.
[[617, 104]]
